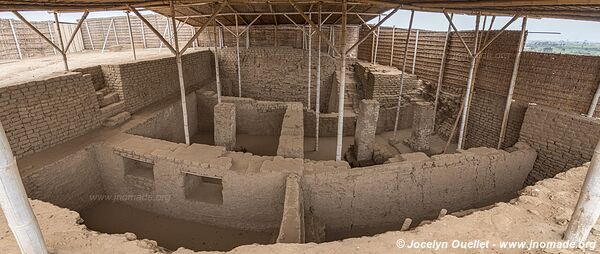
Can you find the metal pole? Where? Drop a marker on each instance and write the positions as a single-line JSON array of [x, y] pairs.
[[415, 52], [248, 38], [441, 73], [587, 210], [51, 36], [237, 50], [14, 202], [12, 28], [87, 28], [165, 33], [465, 111], [217, 78], [318, 99], [342, 90], [106, 37], [192, 31], [594, 103], [62, 44], [392, 48], [186, 128], [513, 82], [115, 32], [412, 16], [143, 34], [308, 106], [131, 36]]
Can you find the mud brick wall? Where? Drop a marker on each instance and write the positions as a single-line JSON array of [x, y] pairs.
[[485, 120], [291, 139], [382, 83], [142, 83], [562, 139], [40, 114], [96, 73], [275, 74]]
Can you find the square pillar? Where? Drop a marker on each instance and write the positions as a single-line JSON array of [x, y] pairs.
[[366, 126], [225, 125], [422, 128]]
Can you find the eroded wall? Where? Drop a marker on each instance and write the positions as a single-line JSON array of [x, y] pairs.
[[563, 140], [40, 114]]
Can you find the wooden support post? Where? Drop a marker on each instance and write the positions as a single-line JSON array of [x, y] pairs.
[[441, 72], [237, 51], [14, 202], [62, 44], [87, 28], [377, 42], [131, 40], [51, 36], [143, 34], [106, 36], [77, 28], [513, 82], [115, 32], [342, 89], [470, 81], [186, 128], [217, 75], [308, 105], [392, 47], [594, 103], [318, 99], [414, 63], [14, 34], [51, 42], [412, 16], [587, 210], [157, 33]]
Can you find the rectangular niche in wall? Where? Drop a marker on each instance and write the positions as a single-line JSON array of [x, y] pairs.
[[203, 189], [139, 174]]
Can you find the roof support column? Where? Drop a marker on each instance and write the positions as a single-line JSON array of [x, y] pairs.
[[318, 99], [217, 77], [87, 28], [414, 63], [186, 128], [587, 210], [237, 51], [594, 103], [106, 36], [342, 88], [441, 73], [513, 82], [470, 80], [14, 202], [308, 105], [377, 42], [412, 16], [62, 44], [392, 47], [14, 34], [131, 40]]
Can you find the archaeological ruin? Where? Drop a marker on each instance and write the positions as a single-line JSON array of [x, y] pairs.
[[294, 126]]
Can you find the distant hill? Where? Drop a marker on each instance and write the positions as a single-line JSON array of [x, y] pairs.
[[565, 47]]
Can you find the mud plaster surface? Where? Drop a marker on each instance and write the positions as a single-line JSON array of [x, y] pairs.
[[541, 213]]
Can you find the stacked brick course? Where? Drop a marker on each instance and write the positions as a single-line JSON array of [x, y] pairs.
[[142, 83], [275, 74], [563, 140], [40, 114]]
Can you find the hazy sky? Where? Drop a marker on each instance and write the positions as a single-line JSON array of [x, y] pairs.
[[571, 30]]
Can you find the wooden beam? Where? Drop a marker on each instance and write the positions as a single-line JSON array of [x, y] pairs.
[[157, 33]]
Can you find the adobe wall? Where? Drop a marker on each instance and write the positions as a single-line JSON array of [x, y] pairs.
[[562, 139], [291, 139], [384, 195], [71, 182], [144, 82], [252, 116], [40, 114], [167, 124], [275, 74]]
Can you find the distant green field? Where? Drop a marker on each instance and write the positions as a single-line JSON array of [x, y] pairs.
[[564, 47]]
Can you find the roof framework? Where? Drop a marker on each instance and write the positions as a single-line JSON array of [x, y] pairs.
[[197, 12]]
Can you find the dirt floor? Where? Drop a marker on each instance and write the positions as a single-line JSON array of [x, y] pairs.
[[14, 72], [257, 145], [170, 233], [541, 213]]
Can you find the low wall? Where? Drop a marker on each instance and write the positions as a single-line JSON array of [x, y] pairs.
[[562, 139], [70, 182], [292, 222], [291, 140], [144, 82], [167, 124], [275, 74], [382, 196], [40, 114]]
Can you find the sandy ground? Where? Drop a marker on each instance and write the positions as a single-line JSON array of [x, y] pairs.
[[541, 213], [170, 233], [14, 72]]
